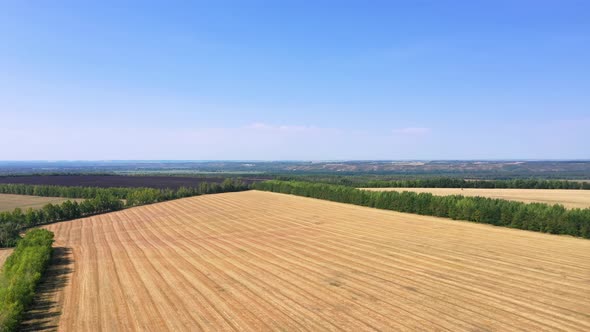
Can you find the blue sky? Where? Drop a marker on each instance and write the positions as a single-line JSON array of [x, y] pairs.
[[270, 80]]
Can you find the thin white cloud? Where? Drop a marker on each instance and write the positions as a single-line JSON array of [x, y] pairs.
[[413, 131], [282, 128]]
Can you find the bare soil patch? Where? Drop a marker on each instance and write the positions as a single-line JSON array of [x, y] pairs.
[[4, 253]]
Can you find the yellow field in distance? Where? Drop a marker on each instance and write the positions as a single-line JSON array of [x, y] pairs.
[[9, 202], [568, 198]]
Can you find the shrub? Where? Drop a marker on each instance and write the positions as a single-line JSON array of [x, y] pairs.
[[21, 274]]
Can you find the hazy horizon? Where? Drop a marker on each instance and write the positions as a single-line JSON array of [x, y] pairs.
[[332, 80], [284, 160]]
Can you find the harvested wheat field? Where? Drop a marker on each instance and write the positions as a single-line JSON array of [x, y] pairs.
[[9, 202], [255, 261], [568, 198], [4, 253]]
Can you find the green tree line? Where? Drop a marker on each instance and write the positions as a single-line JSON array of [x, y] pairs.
[[20, 275], [136, 195], [375, 181], [104, 200], [64, 191], [12, 223], [538, 217], [461, 183]]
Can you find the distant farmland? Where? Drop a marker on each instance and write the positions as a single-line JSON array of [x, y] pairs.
[[264, 261], [568, 198], [9, 202], [105, 181]]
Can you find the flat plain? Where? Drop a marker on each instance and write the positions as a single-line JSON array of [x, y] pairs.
[[9, 202], [256, 261], [107, 181], [568, 198]]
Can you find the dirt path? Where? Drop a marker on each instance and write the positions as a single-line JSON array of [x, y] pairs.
[[569, 198], [4, 253], [256, 261]]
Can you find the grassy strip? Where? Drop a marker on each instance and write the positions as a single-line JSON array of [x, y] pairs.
[[538, 217], [21, 274]]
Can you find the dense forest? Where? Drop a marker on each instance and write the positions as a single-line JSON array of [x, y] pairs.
[[20, 275], [539, 217], [363, 181], [98, 200]]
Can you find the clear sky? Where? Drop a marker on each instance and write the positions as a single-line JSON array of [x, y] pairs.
[[270, 80]]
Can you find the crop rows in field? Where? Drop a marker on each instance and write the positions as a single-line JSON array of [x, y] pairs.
[[264, 261]]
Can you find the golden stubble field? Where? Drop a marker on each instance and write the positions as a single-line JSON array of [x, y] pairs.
[[256, 261], [568, 198], [9, 202]]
